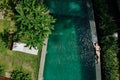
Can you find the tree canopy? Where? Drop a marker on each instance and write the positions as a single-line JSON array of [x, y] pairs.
[[34, 23]]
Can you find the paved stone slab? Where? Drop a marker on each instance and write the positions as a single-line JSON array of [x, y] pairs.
[[21, 47], [94, 35]]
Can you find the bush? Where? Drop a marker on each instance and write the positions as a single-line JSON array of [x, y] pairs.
[[2, 72], [30, 18], [34, 23], [20, 75]]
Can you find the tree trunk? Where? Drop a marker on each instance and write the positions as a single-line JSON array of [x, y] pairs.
[[10, 41]]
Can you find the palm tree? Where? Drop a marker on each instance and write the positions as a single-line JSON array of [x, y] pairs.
[[34, 22]]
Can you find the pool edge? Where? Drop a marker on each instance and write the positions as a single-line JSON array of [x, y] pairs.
[[94, 34], [42, 60]]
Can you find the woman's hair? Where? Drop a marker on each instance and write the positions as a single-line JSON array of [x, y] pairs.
[[95, 43]]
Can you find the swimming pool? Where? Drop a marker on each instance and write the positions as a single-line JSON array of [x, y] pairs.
[[70, 54]]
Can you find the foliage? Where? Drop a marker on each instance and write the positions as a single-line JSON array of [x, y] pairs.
[[8, 4], [2, 72], [7, 23], [109, 45], [7, 8], [110, 62], [32, 19], [2, 46], [4, 4], [33, 22], [20, 75], [3, 25]]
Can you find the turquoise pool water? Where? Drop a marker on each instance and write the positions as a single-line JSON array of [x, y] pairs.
[[70, 54]]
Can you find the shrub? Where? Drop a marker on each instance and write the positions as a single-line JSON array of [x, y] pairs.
[[20, 75], [7, 24], [2, 46], [34, 23], [2, 72]]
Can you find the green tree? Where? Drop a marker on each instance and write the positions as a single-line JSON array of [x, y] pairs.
[[7, 24], [34, 23]]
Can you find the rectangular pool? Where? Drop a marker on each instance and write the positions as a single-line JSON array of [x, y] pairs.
[[70, 54]]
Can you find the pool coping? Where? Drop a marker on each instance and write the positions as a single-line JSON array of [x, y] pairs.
[[94, 34], [42, 60]]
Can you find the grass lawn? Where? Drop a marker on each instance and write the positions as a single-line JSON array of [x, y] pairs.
[[18, 60]]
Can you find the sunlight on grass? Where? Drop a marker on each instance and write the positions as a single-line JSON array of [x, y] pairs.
[[18, 60]]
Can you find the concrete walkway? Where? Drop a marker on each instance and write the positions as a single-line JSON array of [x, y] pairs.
[[94, 35], [42, 61]]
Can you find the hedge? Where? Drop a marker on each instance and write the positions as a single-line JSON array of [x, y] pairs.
[[20, 75]]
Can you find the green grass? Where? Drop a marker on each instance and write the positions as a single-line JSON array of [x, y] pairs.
[[12, 60], [4, 24], [2, 72], [18, 60]]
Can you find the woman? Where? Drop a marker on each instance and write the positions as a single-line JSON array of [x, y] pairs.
[[97, 48]]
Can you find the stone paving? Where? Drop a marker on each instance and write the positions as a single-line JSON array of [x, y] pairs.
[[42, 61], [94, 35]]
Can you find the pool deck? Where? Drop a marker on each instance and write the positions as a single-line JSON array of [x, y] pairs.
[[94, 35], [42, 61]]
